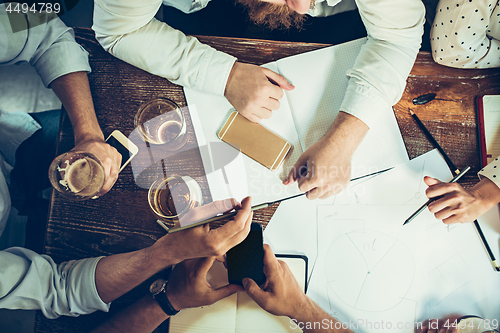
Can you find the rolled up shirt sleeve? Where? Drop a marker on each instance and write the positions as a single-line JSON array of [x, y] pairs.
[[491, 171], [128, 30], [378, 78], [48, 45], [31, 281]]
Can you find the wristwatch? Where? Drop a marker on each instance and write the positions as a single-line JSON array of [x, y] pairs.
[[159, 292]]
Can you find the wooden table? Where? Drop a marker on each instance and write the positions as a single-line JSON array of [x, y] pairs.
[[122, 221]]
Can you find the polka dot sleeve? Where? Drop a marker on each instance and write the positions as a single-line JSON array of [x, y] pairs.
[[492, 171], [466, 33]]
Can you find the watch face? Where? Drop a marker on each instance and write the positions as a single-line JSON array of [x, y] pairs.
[[157, 286]]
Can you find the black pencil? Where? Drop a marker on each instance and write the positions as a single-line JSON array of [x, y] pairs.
[[424, 206], [452, 166], [434, 143]]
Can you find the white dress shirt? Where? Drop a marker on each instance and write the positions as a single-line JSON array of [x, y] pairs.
[[128, 30], [466, 33]]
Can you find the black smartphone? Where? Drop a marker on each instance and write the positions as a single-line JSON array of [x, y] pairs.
[[247, 258]]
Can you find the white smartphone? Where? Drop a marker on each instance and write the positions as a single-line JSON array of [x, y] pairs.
[[125, 147]]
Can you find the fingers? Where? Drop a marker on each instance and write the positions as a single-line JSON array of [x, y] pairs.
[[431, 181], [278, 79], [209, 210], [442, 189], [270, 261], [226, 291], [450, 202], [298, 170], [111, 171], [254, 291], [235, 231], [251, 116]]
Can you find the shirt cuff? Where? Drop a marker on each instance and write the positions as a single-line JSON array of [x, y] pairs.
[[82, 285], [491, 171], [61, 59], [363, 104], [215, 72]]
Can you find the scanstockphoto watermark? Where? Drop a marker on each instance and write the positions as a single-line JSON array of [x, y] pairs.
[[354, 325]]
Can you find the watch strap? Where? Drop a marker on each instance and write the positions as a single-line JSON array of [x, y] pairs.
[[162, 299]]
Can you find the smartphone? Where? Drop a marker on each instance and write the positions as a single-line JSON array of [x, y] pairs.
[[247, 258], [125, 147], [255, 141]]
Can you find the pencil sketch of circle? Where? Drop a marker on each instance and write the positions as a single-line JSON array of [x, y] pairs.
[[369, 270]]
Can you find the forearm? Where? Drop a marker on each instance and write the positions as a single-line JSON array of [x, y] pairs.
[[313, 319], [346, 132], [74, 92], [142, 316], [117, 274], [488, 192], [160, 49]]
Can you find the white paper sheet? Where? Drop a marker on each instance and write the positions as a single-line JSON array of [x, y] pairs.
[[372, 269], [320, 80]]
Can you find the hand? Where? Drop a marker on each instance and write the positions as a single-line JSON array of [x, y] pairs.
[[188, 287], [328, 170], [443, 325], [109, 157], [328, 161], [255, 91], [281, 294], [209, 210], [458, 205], [202, 241]]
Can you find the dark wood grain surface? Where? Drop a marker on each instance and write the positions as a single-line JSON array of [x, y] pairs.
[[122, 221]]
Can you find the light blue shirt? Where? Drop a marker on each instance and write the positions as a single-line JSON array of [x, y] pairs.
[[29, 280], [32, 281]]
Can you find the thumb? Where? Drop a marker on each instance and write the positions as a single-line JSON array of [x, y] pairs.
[[431, 181], [299, 169], [254, 291], [226, 291], [278, 79]]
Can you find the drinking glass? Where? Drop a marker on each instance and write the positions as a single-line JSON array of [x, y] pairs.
[[171, 198], [161, 122], [77, 175]]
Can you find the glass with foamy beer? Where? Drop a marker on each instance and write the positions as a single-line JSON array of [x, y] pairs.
[[77, 175]]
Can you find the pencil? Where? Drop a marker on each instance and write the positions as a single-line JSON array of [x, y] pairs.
[[434, 143], [424, 206], [452, 166], [486, 246]]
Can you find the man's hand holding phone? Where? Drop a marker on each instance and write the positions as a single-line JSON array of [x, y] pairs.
[[281, 295]]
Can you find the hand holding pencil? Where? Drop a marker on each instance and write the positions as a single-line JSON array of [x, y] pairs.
[[458, 205]]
